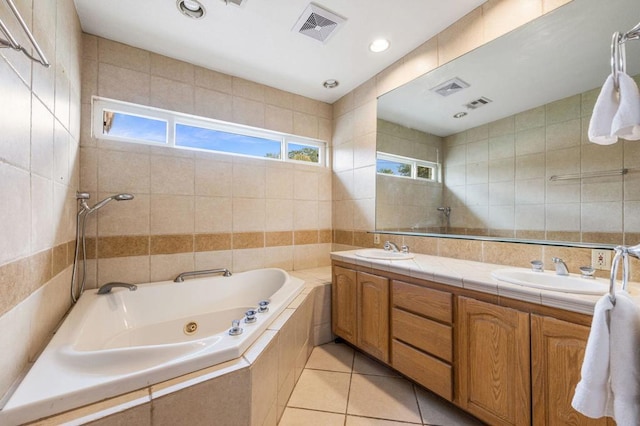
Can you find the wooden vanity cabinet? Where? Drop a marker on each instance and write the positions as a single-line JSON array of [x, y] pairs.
[[557, 351], [344, 293], [422, 336], [505, 361], [493, 362], [360, 310], [373, 315]]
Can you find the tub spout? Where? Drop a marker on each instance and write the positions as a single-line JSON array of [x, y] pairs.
[[108, 286]]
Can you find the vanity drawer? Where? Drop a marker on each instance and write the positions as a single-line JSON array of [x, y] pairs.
[[430, 372], [422, 333], [423, 301]]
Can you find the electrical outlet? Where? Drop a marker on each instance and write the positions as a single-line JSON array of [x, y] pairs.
[[376, 238], [601, 259]]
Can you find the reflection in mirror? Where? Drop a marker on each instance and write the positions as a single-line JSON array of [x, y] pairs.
[[518, 164]]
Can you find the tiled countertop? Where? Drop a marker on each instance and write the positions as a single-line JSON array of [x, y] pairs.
[[477, 276]]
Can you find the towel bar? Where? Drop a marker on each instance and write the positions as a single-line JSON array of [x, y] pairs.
[[13, 43]]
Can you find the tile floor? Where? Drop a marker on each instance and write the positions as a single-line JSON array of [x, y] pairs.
[[342, 387]]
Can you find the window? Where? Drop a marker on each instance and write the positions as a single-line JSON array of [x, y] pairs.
[[412, 168], [122, 121]]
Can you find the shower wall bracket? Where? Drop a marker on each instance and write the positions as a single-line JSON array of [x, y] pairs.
[[11, 42]]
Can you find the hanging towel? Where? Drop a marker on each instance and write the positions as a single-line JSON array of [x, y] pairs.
[[625, 360], [626, 123], [610, 384], [604, 111], [593, 392]]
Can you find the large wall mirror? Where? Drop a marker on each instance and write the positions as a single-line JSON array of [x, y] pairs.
[[494, 144]]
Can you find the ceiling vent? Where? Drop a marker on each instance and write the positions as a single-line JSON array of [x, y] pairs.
[[450, 87], [318, 23], [478, 103], [236, 2]]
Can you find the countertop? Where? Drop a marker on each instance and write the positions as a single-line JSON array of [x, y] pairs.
[[477, 276]]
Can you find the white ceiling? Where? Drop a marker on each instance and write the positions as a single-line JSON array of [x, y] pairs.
[[255, 41]]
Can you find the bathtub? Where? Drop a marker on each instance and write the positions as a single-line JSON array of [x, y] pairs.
[[125, 340]]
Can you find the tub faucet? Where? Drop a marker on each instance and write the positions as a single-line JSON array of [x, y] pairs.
[[389, 246], [108, 286], [561, 267]]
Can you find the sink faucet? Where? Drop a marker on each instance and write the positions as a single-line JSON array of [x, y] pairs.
[[108, 286], [389, 246], [561, 267]]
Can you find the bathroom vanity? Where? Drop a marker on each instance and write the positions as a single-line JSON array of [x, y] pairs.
[[507, 354]]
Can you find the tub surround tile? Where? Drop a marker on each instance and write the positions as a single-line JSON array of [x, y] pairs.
[[122, 246], [305, 237], [169, 244], [211, 242], [276, 239], [264, 380], [131, 406], [219, 401], [248, 240]]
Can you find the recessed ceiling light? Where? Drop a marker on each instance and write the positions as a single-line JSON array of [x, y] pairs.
[[331, 84], [191, 8], [459, 115], [379, 45]]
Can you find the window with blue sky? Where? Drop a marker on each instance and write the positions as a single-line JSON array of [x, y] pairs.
[[126, 122]]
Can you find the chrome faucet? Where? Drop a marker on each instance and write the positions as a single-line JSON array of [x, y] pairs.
[[561, 267], [108, 286], [389, 246]]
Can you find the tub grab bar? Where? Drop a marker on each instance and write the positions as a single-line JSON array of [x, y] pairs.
[[180, 278]]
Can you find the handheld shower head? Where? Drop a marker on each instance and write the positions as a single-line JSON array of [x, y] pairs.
[[123, 197], [117, 197]]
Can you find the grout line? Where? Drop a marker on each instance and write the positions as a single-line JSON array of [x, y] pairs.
[[415, 394], [346, 408]]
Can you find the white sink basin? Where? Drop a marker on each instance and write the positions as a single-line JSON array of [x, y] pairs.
[[383, 254], [553, 282]]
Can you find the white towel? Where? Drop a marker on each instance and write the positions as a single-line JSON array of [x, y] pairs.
[[626, 123], [604, 111], [593, 392], [625, 360], [610, 384]]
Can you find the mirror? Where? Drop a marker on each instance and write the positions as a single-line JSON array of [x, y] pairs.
[[517, 165]]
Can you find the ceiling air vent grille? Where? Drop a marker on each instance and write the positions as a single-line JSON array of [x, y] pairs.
[[478, 103], [450, 87], [318, 23]]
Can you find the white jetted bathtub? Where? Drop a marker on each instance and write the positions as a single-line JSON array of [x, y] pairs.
[[125, 340]]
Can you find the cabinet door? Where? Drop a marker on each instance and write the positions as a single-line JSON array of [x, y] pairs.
[[343, 303], [557, 351], [373, 315], [493, 363]]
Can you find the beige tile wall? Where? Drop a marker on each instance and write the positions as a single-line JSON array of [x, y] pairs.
[[196, 210], [497, 178], [39, 155]]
